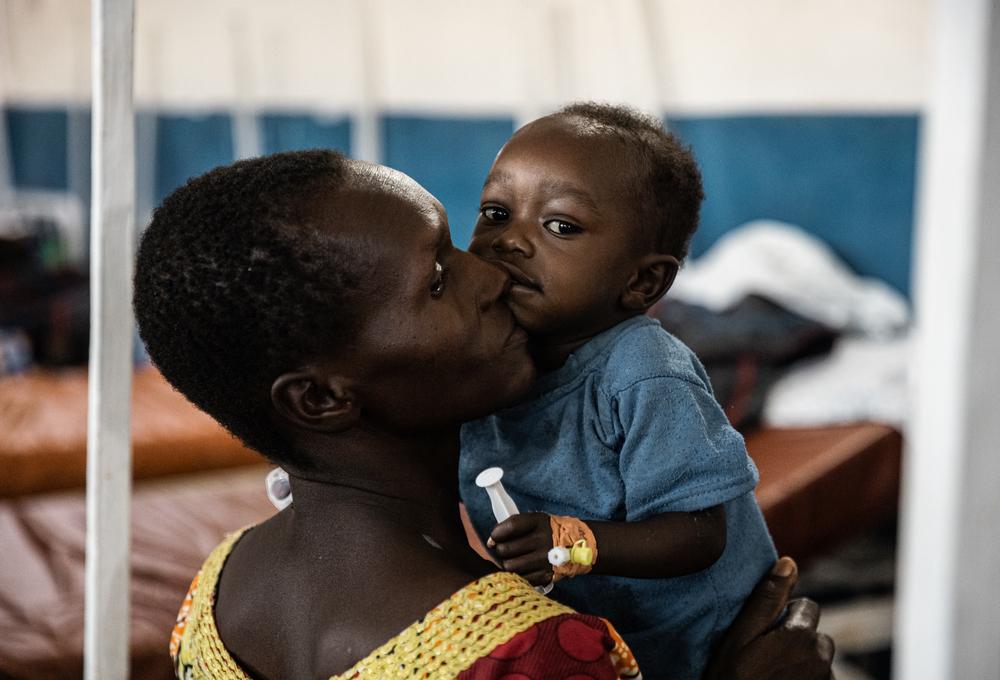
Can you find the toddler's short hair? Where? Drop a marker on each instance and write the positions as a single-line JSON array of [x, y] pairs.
[[233, 286], [669, 192]]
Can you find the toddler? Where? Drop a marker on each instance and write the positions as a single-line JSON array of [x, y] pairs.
[[621, 448]]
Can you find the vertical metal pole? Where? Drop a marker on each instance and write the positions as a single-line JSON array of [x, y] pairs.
[[6, 165], [247, 140], [654, 41], [537, 62], [366, 143], [106, 621]]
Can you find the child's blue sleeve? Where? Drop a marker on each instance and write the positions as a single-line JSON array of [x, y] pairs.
[[678, 452]]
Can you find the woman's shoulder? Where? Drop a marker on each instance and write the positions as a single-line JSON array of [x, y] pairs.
[[497, 626], [466, 626]]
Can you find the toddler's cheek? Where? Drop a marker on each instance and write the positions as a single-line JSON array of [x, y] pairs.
[[531, 318]]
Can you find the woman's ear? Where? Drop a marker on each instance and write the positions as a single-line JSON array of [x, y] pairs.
[[649, 282], [313, 401]]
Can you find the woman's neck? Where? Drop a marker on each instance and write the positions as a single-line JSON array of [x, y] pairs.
[[401, 484], [371, 542]]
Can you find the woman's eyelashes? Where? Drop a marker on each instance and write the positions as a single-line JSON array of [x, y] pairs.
[[437, 283]]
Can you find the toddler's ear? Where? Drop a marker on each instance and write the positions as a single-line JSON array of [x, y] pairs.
[[652, 278]]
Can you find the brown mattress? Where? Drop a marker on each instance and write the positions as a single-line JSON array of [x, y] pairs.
[[43, 423], [821, 485], [175, 524], [817, 486]]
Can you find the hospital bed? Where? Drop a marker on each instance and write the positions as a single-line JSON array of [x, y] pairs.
[[195, 483]]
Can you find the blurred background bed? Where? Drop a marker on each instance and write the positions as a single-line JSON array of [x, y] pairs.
[[805, 114]]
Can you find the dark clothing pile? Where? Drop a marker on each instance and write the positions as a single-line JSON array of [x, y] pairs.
[[745, 349]]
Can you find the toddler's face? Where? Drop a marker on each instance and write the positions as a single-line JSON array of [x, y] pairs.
[[555, 213]]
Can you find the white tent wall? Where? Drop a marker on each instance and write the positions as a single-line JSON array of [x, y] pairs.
[[485, 56], [355, 62]]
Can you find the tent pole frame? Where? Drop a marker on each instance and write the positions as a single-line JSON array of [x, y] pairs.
[[109, 453]]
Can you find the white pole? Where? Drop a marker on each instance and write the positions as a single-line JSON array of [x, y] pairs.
[[106, 620], [6, 167], [246, 128], [948, 618], [6, 164], [366, 143]]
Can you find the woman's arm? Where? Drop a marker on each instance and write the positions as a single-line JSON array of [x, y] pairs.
[[665, 545]]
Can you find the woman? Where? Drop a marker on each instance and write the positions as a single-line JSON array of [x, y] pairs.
[[316, 307]]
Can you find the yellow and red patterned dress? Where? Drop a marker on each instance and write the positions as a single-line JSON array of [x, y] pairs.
[[496, 627]]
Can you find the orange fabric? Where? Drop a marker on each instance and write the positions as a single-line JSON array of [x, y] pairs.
[[566, 531], [43, 417], [621, 655]]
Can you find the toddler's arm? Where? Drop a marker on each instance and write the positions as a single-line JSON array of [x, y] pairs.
[[665, 545]]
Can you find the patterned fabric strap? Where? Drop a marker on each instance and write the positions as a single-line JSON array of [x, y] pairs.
[[195, 645], [467, 627], [464, 628]]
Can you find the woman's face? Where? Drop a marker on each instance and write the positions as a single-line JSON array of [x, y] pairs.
[[439, 344]]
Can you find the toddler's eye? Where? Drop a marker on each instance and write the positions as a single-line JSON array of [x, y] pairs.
[[561, 227], [437, 285], [494, 213]]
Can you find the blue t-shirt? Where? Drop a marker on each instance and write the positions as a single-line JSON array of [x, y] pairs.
[[626, 429]]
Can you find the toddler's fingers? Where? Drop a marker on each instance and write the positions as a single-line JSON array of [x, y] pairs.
[[523, 546], [516, 526], [539, 578], [527, 564]]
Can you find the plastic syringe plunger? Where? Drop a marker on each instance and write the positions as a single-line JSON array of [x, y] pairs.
[[503, 505]]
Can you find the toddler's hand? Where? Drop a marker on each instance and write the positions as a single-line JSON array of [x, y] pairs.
[[522, 542]]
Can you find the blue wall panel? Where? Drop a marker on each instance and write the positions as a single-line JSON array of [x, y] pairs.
[[449, 157], [290, 132], [37, 146], [188, 145], [847, 179]]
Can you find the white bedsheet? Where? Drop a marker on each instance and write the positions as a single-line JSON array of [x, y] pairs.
[[797, 270], [861, 379]]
